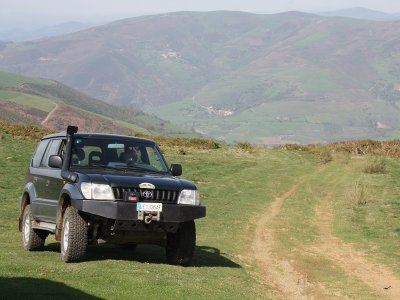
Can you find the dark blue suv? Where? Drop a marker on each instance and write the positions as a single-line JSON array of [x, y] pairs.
[[104, 188]]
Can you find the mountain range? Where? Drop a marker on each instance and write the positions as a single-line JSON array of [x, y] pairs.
[[362, 13], [38, 32], [289, 77]]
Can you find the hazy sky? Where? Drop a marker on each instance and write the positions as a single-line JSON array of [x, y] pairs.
[[92, 10]]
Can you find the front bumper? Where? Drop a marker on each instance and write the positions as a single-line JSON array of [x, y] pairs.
[[126, 211]]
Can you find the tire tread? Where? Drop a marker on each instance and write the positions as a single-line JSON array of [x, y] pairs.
[[77, 240], [37, 237]]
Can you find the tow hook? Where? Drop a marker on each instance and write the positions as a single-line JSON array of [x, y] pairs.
[[148, 216]]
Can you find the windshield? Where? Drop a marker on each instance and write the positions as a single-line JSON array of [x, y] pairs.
[[116, 154]]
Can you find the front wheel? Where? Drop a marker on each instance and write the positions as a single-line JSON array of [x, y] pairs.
[[73, 236], [32, 239], [180, 245]]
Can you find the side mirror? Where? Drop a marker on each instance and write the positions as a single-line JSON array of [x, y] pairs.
[[176, 169], [55, 161]]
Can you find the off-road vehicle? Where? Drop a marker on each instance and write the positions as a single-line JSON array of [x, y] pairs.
[[101, 188]]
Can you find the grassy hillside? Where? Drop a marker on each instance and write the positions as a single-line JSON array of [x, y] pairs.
[[232, 75], [31, 100], [280, 224]]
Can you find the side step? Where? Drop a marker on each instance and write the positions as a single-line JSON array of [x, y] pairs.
[[44, 226]]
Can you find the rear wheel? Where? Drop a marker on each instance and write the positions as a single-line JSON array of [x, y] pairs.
[[73, 236], [32, 239], [180, 245]]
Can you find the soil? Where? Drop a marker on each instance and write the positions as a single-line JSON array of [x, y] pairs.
[[285, 275], [49, 115]]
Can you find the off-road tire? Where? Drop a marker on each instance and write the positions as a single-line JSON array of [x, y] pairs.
[[32, 239], [73, 236], [180, 245]]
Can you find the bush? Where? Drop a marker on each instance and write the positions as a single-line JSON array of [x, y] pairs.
[[197, 143], [32, 132], [296, 147], [324, 155], [182, 151], [246, 146], [375, 165], [358, 195]]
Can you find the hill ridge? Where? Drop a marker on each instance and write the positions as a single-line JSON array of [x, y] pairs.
[[289, 76]]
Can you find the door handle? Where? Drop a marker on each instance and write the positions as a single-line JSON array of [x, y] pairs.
[[35, 179]]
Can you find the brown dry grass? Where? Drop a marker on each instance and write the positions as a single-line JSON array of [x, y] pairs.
[[357, 147], [182, 142], [32, 132]]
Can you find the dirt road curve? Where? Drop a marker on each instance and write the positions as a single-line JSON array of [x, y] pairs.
[[291, 283], [49, 115]]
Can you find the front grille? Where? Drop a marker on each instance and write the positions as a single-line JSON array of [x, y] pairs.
[[163, 196]]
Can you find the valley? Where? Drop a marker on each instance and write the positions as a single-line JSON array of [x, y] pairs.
[[255, 77]]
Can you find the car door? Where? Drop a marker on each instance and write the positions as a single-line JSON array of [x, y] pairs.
[[50, 185], [36, 179], [53, 183]]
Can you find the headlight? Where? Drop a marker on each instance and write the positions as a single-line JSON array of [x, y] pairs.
[[97, 191], [191, 197]]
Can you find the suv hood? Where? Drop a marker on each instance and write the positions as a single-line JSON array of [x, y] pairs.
[[161, 182]]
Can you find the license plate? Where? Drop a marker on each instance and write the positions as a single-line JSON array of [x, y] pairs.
[[143, 206]]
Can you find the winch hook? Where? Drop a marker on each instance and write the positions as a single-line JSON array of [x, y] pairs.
[[148, 219]]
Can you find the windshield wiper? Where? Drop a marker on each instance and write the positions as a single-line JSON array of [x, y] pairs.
[[137, 168], [97, 167]]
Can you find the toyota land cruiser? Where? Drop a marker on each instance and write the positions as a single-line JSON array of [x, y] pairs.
[[103, 188]]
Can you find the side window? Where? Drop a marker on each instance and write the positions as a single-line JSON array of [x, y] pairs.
[[52, 149], [37, 157]]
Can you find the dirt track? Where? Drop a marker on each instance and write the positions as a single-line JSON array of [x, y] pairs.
[[293, 283], [352, 261], [50, 114]]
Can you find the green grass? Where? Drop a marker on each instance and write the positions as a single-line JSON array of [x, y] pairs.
[[34, 101], [235, 185], [226, 181], [315, 38], [375, 225], [14, 80]]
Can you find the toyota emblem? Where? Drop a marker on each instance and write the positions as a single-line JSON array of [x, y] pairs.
[[147, 194]]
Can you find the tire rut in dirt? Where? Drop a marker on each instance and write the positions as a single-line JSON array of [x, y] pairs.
[[353, 262]]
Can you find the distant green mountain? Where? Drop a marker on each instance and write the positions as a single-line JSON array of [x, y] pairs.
[[54, 105], [361, 13], [290, 77], [38, 32]]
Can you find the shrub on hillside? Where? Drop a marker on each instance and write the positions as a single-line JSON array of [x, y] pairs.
[[197, 143], [22, 130], [364, 147], [246, 146], [356, 147], [324, 155], [296, 147], [375, 165], [358, 194]]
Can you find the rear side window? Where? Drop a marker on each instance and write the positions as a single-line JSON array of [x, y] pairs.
[[37, 157]]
